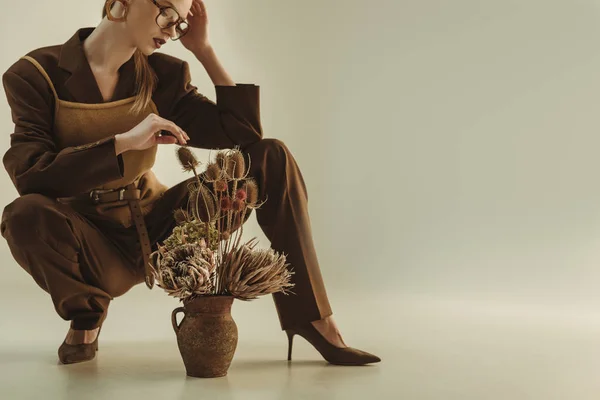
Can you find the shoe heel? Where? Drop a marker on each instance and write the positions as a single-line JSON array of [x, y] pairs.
[[290, 335], [97, 336]]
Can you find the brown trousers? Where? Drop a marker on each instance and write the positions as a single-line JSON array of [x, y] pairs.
[[84, 261]]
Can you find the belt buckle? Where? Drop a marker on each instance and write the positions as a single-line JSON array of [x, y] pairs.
[[94, 196], [95, 192]]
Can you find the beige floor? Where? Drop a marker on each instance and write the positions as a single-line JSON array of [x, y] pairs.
[[432, 348]]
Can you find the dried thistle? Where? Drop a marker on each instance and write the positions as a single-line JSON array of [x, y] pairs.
[[187, 159], [239, 165], [225, 203], [237, 205], [227, 163], [220, 185], [181, 216], [202, 203], [213, 172], [221, 160], [251, 188], [241, 194]]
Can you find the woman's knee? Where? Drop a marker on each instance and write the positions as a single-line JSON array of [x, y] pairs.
[[268, 145], [268, 156], [28, 215]]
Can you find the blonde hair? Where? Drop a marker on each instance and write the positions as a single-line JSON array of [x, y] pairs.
[[145, 79]]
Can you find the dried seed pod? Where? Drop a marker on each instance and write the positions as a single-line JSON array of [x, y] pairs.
[[220, 185], [221, 159], [251, 188], [204, 205], [239, 165], [213, 172], [187, 159], [225, 203], [241, 194], [181, 216], [237, 205]]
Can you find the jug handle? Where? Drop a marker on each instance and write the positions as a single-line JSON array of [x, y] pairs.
[[174, 318]]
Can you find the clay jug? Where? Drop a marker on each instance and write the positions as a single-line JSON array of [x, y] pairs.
[[207, 335]]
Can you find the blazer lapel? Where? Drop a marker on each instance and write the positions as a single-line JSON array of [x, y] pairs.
[[81, 84]]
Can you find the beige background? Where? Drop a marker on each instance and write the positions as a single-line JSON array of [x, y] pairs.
[[450, 154]]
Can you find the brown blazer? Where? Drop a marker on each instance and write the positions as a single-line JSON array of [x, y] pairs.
[[36, 164]]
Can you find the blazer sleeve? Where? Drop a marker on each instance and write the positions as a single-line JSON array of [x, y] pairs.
[[234, 120], [33, 161]]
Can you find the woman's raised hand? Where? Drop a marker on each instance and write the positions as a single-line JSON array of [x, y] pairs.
[[151, 131]]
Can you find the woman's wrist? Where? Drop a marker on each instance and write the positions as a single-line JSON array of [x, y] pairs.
[[120, 144], [203, 51], [213, 67]]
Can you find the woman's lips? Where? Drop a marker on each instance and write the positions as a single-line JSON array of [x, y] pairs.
[[158, 42]]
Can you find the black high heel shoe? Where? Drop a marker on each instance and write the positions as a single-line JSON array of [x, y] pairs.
[[74, 353], [332, 354]]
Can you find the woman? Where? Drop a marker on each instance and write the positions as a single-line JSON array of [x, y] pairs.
[[89, 115]]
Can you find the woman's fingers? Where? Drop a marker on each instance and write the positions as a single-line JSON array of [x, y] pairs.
[[201, 7], [166, 140], [193, 10], [184, 135], [175, 130], [167, 131]]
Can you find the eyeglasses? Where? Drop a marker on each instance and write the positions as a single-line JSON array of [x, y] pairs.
[[168, 17]]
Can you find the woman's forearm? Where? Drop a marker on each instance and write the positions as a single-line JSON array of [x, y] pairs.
[[213, 67]]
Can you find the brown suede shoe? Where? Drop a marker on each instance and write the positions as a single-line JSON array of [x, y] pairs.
[[74, 353]]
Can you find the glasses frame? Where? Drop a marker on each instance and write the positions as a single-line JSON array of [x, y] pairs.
[[179, 20]]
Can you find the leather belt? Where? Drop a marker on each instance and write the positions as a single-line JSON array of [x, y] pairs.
[[132, 195]]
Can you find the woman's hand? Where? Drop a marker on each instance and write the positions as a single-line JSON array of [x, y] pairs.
[[148, 133], [197, 38]]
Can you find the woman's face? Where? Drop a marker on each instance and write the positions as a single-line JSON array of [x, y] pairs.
[[147, 35]]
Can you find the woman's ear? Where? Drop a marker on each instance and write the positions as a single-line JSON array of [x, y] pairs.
[[117, 10]]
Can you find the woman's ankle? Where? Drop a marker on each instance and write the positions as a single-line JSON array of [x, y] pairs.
[[79, 336], [328, 328]]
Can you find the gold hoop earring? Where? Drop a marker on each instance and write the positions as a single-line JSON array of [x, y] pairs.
[[108, 6]]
